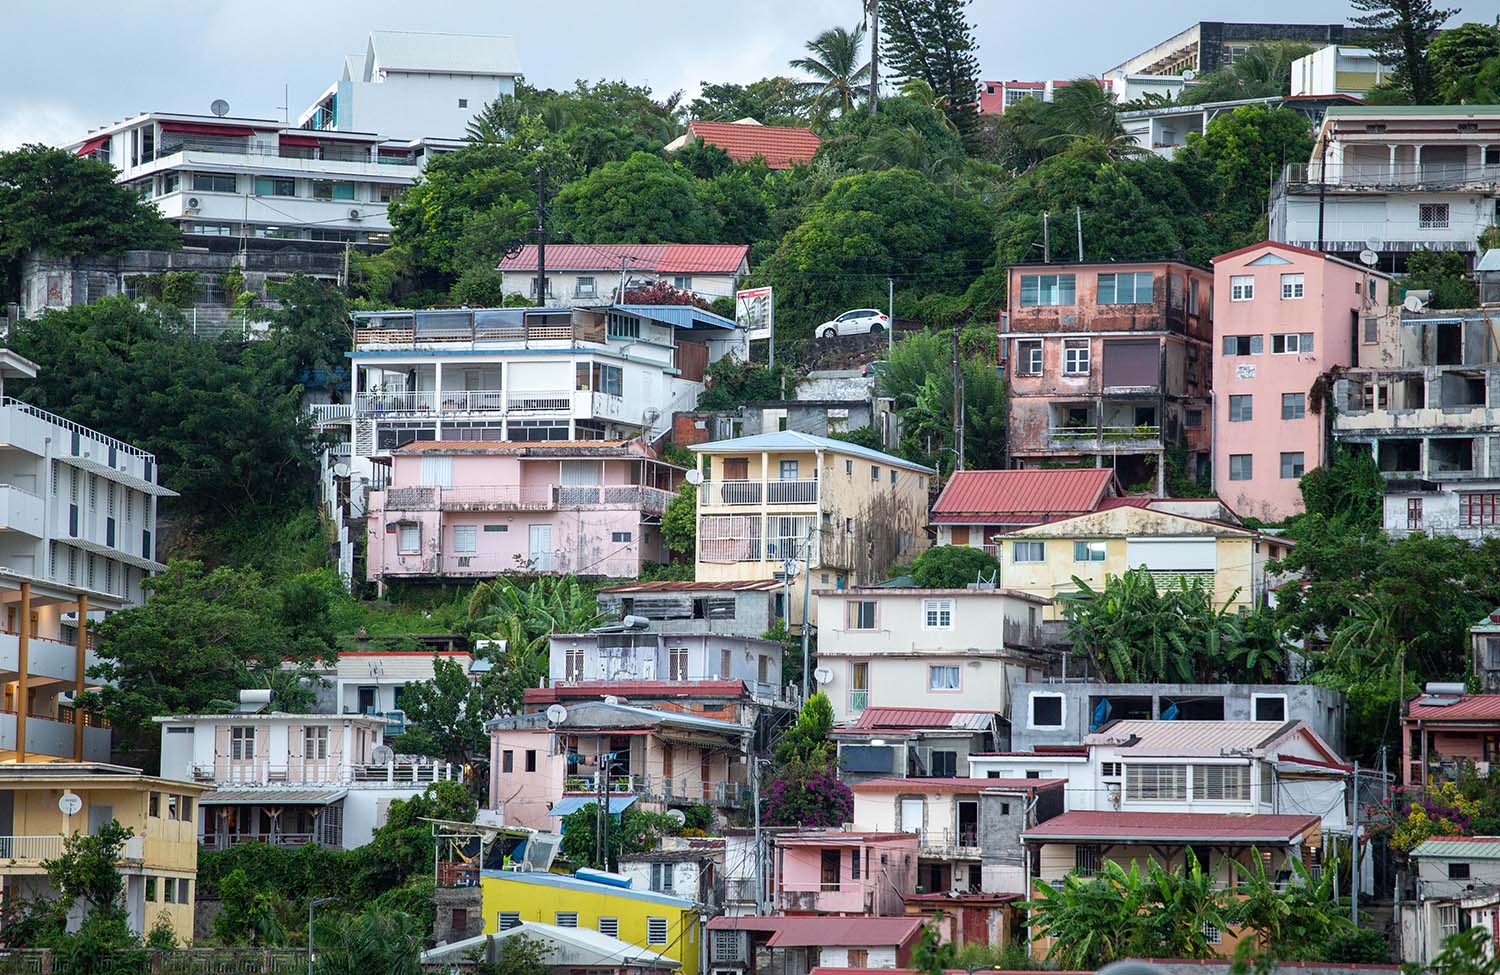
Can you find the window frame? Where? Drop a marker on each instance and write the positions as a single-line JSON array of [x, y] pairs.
[[1089, 549], [1076, 351], [1294, 408], [1434, 216], [937, 614], [1115, 278], [315, 741], [956, 685], [1247, 472], [1028, 350], [1293, 286], [1241, 407], [854, 614], [1062, 710], [1058, 286], [1029, 545], [1297, 467], [1242, 287]]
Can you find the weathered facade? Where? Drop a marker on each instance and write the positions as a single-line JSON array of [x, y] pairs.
[[1110, 363]]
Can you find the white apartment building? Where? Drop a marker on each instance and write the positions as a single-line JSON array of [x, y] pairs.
[[409, 83], [249, 177], [1394, 179], [372, 682], [77, 538], [291, 779], [1337, 69], [949, 649], [590, 275], [527, 374]]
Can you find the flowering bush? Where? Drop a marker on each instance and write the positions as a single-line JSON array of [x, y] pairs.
[[809, 795], [661, 293], [1443, 810]]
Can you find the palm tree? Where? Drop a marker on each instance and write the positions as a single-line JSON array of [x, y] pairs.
[[1084, 115], [838, 76]]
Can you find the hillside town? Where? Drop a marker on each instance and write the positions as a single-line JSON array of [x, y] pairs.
[[869, 519]]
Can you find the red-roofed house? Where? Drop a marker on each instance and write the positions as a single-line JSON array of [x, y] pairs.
[[843, 872], [969, 830], [781, 146], [1444, 731], [590, 274], [977, 505], [797, 944]]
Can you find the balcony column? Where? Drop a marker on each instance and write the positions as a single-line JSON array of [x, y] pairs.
[[1417, 164], [23, 665], [765, 501], [1391, 166], [79, 657], [437, 398]]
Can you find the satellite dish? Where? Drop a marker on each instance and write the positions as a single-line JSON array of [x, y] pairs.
[[219, 107], [340, 470], [69, 804], [383, 754], [1189, 75], [1414, 303], [556, 714], [1372, 244], [694, 476], [1368, 257], [611, 699], [677, 816], [823, 675]]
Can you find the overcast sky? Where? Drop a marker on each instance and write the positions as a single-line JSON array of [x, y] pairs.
[[71, 65]]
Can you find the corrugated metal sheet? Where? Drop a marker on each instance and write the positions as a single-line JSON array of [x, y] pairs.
[[1470, 707], [1459, 848], [797, 932], [289, 797], [1189, 737], [780, 146], [1038, 494], [792, 440], [1179, 827], [924, 718], [745, 585], [951, 785], [657, 258]]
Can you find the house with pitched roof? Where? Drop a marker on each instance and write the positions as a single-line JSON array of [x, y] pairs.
[[975, 506], [588, 275], [1445, 729], [778, 146], [907, 742], [1457, 887], [795, 945]]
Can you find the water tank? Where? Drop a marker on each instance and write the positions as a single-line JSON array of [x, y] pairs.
[[1446, 689]]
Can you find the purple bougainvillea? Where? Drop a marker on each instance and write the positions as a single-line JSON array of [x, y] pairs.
[[810, 796]]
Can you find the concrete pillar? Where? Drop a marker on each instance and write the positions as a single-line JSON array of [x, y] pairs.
[[79, 657], [1417, 164], [1391, 167], [23, 665], [437, 398]]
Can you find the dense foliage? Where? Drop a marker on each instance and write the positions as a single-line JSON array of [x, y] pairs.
[[806, 789], [953, 567], [631, 830]]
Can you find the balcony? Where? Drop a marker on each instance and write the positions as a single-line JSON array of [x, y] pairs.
[[20, 511], [51, 659], [529, 497], [776, 492], [319, 773], [33, 851], [659, 788], [1092, 438], [472, 327], [540, 401], [224, 841], [421, 402], [52, 735], [329, 413], [1367, 174], [960, 844], [837, 897]]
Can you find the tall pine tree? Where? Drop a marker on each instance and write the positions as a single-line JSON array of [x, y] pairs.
[[1401, 31], [933, 41]]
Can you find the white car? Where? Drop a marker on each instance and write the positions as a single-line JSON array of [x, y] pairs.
[[860, 321]]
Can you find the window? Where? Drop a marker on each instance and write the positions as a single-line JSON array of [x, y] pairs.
[[608, 379], [323, 189], [854, 864], [1023, 552], [1292, 343], [464, 103], [153, 805], [1125, 289], [566, 919], [1479, 510], [1193, 419], [1086, 860], [1291, 464], [271, 186], [151, 889], [1039, 290], [386, 192], [1243, 344], [609, 926], [408, 539], [874, 472], [1109, 770], [942, 677], [1448, 920], [861, 614], [1075, 357], [465, 538], [174, 808], [505, 920], [497, 528], [1291, 286], [661, 877], [1046, 711], [1458, 871], [1432, 216], [583, 286], [656, 930], [1029, 357], [937, 614], [508, 761], [1242, 287], [242, 743], [1088, 551], [215, 183], [943, 764], [623, 326], [1241, 408], [1221, 782], [1414, 514], [677, 663], [182, 890], [1240, 467], [460, 919], [1156, 782], [682, 282], [531, 759], [1211, 933], [315, 743], [726, 946], [169, 890], [1268, 707], [1293, 406], [1267, 783]]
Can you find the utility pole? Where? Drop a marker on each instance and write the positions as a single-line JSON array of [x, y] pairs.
[[958, 406], [755, 794], [1354, 854], [1078, 215], [874, 55], [601, 821], [1322, 188], [806, 598], [541, 236], [1046, 238], [890, 299]]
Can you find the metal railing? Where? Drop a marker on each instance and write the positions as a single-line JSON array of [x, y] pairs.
[[746, 492], [659, 787], [1378, 174], [330, 412], [77, 428], [31, 847], [731, 492], [966, 839], [322, 772], [223, 841], [539, 401], [159, 961], [859, 700], [528, 497]]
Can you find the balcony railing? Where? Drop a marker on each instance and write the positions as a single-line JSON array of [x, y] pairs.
[[659, 788], [529, 497], [223, 841], [330, 412], [1378, 174], [859, 699], [450, 326], [540, 401], [776, 492], [322, 772], [36, 848], [431, 401], [1104, 437], [959, 842]]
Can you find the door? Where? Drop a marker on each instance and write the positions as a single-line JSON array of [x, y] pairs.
[[911, 815], [367, 700], [736, 468], [539, 548], [99, 815], [968, 822], [859, 687], [830, 869]]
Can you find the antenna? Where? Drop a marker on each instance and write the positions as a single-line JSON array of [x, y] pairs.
[[219, 107]]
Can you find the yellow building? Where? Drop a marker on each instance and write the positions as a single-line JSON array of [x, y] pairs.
[[1171, 538], [660, 922], [850, 512], [159, 862]]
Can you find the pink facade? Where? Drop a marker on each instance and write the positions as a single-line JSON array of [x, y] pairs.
[[478, 509], [1283, 317], [844, 873]]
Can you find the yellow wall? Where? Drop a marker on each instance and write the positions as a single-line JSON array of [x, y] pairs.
[[539, 897]]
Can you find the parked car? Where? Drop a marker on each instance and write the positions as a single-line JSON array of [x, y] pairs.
[[860, 321]]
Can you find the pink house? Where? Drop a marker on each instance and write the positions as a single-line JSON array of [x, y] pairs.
[[474, 509], [833, 872], [1283, 316]]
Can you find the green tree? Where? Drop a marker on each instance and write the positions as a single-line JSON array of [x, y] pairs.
[[479, 287], [679, 522], [1400, 32], [630, 831], [643, 199], [310, 330], [1445, 274], [519, 956], [932, 40], [1456, 58], [770, 101], [447, 714], [1349, 488], [953, 567], [88, 869], [546, 605], [248, 915], [839, 72], [1240, 154], [807, 740], [1094, 921], [370, 941], [66, 206], [1084, 117], [200, 638], [1265, 70], [918, 377]]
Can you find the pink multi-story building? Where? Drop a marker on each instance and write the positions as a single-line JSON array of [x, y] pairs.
[[839, 872], [475, 509], [1283, 317]]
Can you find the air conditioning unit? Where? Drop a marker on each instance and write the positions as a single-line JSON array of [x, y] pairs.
[[354, 214], [193, 203]]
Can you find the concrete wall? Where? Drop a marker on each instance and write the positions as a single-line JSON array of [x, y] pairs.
[[752, 660], [673, 613]]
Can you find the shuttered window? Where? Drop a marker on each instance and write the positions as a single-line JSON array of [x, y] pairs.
[[1156, 782], [656, 930], [1221, 782]]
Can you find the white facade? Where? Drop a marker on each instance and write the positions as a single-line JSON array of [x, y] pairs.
[[409, 83], [299, 762], [372, 683], [603, 657], [952, 649], [1337, 70], [590, 288]]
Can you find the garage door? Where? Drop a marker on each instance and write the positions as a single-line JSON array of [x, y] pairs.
[[1172, 554]]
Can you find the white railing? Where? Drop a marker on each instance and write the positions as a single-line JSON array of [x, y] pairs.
[[948, 839], [322, 773], [400, 401], [470, 400], [77, 428], [31, 847], [775, 492], [540, 401], [731, 492], [792, 491], [330, 412]]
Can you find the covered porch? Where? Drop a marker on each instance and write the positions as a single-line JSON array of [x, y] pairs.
[[280, 817]]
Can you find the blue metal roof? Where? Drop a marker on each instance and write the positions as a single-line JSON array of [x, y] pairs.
[[678, 316], [790, 440], [571, 804]]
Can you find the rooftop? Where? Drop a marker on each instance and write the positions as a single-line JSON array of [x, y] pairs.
[[892, 587], [588, 714], [792, 440], [1459, 847], [644, 688], [879, 718], [583, 947], [418, 51], [953, 785], [1201, 738], [1465, 707], [733, 585], [804, 932], [1172, 827], [658, 258], [530, 448], [1026, 495], [780, 146]]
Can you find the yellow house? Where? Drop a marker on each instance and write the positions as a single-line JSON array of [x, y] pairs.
[[159, 862], [844, 511], [659, 922], [1171, 538]]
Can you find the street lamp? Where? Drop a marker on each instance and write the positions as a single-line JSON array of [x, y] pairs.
[[310, 906]]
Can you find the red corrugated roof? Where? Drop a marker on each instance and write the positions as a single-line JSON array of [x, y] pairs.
[[1178, 827], [951, 785], [1469, 707], [801, 932], [665, 585], [1032, 495], [913, 717], [644, 688], [658, 258], [780, 146]]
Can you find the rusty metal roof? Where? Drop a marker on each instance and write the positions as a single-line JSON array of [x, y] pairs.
[[801, 932], [924, 718], [780, 146], [1088, 826], [659, 258], [738, 585], [1027, 495], [1467, 707]]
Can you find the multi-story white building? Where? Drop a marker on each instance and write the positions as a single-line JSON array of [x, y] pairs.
[[589, 275], [77, 538], [1337, 69], [1393, 179], [528, 374], [411, 82]]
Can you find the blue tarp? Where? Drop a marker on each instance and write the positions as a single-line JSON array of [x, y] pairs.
[[572, 804]]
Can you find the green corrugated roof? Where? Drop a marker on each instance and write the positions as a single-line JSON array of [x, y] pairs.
[[1459, 848], [1442, 110]]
